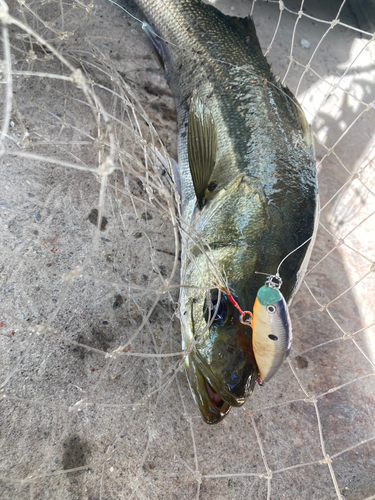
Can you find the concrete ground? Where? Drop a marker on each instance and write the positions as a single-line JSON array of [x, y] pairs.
[[94, 401]]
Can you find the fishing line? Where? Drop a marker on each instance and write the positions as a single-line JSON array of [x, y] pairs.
[[275, 280], [290, 253], [294, 101], [127, 12], [145, 26]]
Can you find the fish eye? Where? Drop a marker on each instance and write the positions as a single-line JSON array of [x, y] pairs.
[[211, 308], [273, 337], [271, 309]]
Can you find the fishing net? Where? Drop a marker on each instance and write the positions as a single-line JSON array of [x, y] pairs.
[[94, 400]]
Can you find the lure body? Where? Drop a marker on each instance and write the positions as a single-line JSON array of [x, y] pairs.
[[272, 331]]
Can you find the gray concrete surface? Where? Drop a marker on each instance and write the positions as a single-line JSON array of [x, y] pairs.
[[92, 406]]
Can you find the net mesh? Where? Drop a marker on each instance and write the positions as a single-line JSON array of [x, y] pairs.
[[94, 400]]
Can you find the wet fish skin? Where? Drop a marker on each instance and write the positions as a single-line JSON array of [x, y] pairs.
[[261, 201]]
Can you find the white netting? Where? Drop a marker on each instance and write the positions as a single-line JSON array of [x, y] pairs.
[[94, 403]]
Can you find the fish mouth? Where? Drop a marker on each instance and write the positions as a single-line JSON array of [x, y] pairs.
[[212, 407], [214, 396], [219, 388]]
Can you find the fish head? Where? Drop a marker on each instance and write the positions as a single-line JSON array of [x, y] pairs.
[[240, 240], [220, 363]]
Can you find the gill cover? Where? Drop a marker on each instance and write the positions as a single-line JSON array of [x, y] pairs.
[[272, 331]]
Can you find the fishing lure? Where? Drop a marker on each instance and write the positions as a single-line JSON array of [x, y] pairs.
[[271, 325], [272, 329]]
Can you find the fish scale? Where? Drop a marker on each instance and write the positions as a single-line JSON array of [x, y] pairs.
[[248, 187]]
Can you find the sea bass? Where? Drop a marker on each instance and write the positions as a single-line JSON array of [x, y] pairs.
[[248, 189]]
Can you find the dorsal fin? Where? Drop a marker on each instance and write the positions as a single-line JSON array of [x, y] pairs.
[[202, 146], [300, 115], [246, 25]]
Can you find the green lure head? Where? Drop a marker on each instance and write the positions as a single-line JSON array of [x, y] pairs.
[[267, 295]]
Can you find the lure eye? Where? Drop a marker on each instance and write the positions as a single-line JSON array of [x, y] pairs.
[[271, 309], [211, 309]]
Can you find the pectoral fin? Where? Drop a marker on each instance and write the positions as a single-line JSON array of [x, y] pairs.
[[202, 146], [246, 25]]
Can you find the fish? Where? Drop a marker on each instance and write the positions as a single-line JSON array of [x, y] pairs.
[[249, 195], [272, 331]]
